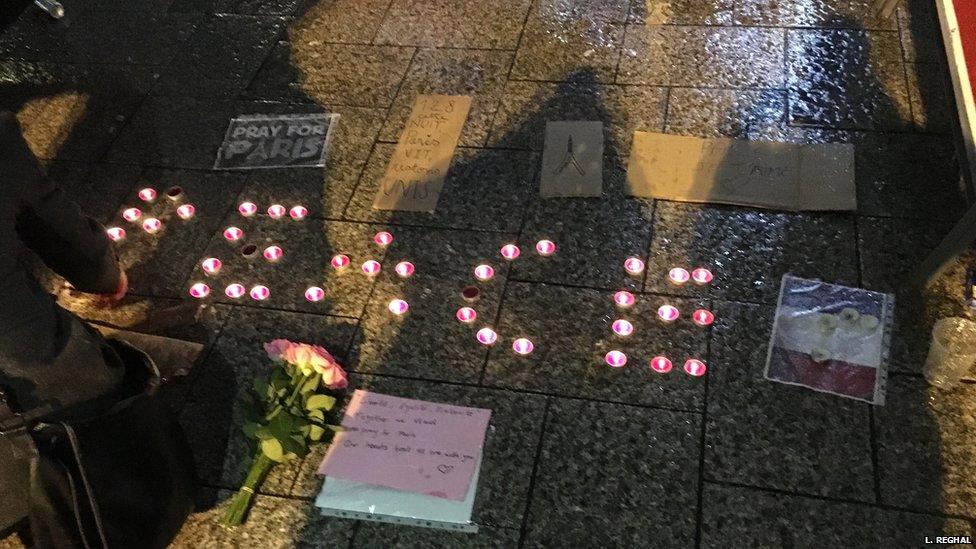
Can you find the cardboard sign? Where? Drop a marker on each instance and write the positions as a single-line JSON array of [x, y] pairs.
[[280, 141], [421, 447], [750, 173], [572, 161], [416, 172]]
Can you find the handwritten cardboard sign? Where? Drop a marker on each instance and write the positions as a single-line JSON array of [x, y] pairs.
[[751, 173], [279, 141], [411, 445], [416, 172], [572, 160]]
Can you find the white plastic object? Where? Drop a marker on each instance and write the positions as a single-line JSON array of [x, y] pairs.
[[952, 351]]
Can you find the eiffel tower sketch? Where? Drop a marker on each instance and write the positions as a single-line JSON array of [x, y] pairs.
[[569, 160]]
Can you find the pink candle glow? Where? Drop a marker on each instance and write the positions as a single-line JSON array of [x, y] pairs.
[[383, 239], [186, 211], [511, 251], [152, 225], [276, 211], [148, 194], [233, 234], [211, 265], [661, 364], [247, 209], [486, 336], [702, 317], [694, 367], [398, 306], [131, 214], [545, 248], [314, 294], [522, 346], [371, 268], [466, 315], [272, 253], [484, 272], [701, 275], [678, 275], [404, 269], [340, 261], [623, 327], [668, 313], [199, 290], [298, 212], [624, 300], [115, 233], [634, 266], [615, 359], [234, 290], [260, 293]]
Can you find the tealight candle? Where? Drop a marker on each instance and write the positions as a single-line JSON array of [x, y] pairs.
[[131, 214], [470, 293], [622, 327], [522, 346], [247, 209], [661, 364], [234, 290], [484, 272], [694, 367], [298, 212], [383, 239], [702, 317], [115, 233], [371, 268], [624, 299], [314, 294], [510, 251], [398, 306], [249, 251], [186, 211], [668, 313], [199, 290], [174, 193], [276, 211], [634, 266], [678, 275], [545, 248], [211, 265], [486, 336], [260, 293], [148, 194], [615, 359], [466, 315], [404, 269], [701, 275], [152, 225], [340, 261], [233, 234], [272, 253]]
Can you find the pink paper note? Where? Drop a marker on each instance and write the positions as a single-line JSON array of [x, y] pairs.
[[413, 445]]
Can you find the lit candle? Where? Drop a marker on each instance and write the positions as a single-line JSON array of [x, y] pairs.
[[615, 359], [484, 272], [234, 290], [115, 233], [510, 251], [371, 268], [678, 275], [186, 211], [466, 315], [634, 266], [211, 265], [545, 248], [702, 317], [152, 225], [233, 234], [340, 261], [522, 346], [622, 327], [668, 313], [272, 253], [276, 211], [260, 293], [298, 212], [314, 294], [694, 367], [398, 306], [701, 275], [383, 239], [148, 194], [486, 336], [247, 209], [131, 214], [660, 364], [199, 290], [624, 300], [404, 269]]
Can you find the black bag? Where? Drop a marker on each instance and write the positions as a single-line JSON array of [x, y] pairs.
[[117, 479]]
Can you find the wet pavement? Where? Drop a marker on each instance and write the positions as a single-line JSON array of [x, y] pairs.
[[125, 95]]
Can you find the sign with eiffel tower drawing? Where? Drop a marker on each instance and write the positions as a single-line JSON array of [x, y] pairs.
[[572, 160]]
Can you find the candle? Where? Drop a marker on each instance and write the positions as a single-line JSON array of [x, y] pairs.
[[247, 209], [340, 261], [634, 266], [545, 248], [660, 364], [623, 327], [148, 194], [615, 359], [260, 293], [383, 239], [272, 253], [233, 234], [199, 290], [678, 275], [668, 313], [186, 211], [371, 268], [131, 214], [211, 265], [624, 300], [314, 294], [486, 336], [404, 269], [470, 293], [398, 306], [484, 272], [466, 315], [234, 290], [510, 251], [276, 211], [174, 193], [694, 367], [298, 212], [115, 233], [152, 225], [522, 346], [702, 317], [701, 275]]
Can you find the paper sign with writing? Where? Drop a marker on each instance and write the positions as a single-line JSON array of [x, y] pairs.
[[416, 172], [751, 173], [572, 160], [278, 141], [422, 447]]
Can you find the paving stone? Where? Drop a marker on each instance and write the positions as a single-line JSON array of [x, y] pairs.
[[98, 189], [774, 435], [681, 12], [379, 536], [457, 23], [480, 74], [921, 34], [740, 114], [932, 102], [484, 189], [339, 21], [741, 517], [702, 56], [324, 191], [847, 14], [605, 468], [848, 79], [748, 251], [891, 248], [924, 457], [571, 330]]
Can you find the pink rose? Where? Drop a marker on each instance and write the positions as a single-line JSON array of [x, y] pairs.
[[276, 348]]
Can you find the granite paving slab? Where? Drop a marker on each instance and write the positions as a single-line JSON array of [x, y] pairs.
[[456, 23], [380, 536], [98, 189], [847, 14], [681, 12], [890, 249], [339, 21], [739, 114], [930, 90]]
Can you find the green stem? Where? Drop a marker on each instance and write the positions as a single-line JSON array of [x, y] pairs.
[[240, 504]]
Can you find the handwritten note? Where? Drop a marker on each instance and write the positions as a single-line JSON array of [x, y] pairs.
[[421, 447], [572, 160], [416, 172]]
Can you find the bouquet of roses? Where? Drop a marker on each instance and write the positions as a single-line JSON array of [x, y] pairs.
[[287, 413]]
